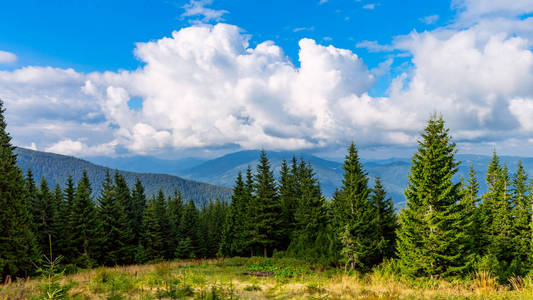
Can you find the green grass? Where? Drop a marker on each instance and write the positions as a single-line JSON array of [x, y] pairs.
[[290, 279]]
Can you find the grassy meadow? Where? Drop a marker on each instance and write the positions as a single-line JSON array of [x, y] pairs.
[[257, 278]]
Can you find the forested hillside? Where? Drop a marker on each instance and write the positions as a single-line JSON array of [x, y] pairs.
[[56, 168]]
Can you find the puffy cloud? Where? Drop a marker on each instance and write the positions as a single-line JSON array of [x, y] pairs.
[[472, 10], [7, 57], [205, 87]]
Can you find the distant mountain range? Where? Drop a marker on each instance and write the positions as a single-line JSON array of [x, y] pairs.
[[393, 171], [220, 173], [56, 168]]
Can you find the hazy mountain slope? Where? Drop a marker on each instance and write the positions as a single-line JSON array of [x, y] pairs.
[[146, 164], [56, 168], [393, 171], [223, 170]]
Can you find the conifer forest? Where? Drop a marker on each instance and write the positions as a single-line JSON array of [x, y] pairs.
[[447, 229]]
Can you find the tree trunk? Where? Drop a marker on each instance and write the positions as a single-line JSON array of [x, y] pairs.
[[265, 251]]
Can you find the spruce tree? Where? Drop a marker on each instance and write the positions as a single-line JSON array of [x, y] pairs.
[[43, 213], [521, 206], [84, 224], [216, 225], [385, 221], [161, 215], [471, 220], [234, 241], [310, 217], [18, 248], [354, 215], [175, 210], [430, 239], [116, 238], [267, 218], [190, 231], [138, 199], [153, 238], [288, 195], [497, 221], [60, 223], [31, 189], [67, 249], [250, 202]]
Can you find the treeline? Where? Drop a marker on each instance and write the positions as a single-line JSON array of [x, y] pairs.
[[120, 226], [446, 228]]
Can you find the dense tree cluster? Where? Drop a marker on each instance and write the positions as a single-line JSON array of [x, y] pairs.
[[445, 229]]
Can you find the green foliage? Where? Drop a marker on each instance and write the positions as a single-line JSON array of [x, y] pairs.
[[190, 230], [430, 236], [18, 247], [522, 206], [496, 214], [234, 239], [157, 228], [385, 219], [266, 208], [354, 216], [116, 239], [52, 273], [85, 225]]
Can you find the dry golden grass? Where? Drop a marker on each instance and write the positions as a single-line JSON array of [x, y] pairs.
[[224, 279]]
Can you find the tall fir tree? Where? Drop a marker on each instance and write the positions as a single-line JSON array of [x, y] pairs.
[[310, 217], [521, 207], [385, 219], [160, 213], [60, 221], [18, 248], [190, 231], [497, 221], [153, 238], [116, 236], [430, 239], [175, 210], [267, 218], [215, 224], [288, 195], [84, 224], [138, 199], [32, 190], [234, 240], [354, 215], [470, 207], [43, 212], [67, 250], [250, 232]]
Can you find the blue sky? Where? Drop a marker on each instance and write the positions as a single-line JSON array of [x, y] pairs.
[[175, 78], [101, 35]]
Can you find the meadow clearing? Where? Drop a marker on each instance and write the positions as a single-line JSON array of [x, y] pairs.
[[257, 278]]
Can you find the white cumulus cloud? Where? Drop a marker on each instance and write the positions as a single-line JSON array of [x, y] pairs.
[[206, 87]]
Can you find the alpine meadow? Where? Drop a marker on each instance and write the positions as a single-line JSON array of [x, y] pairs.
[[326, 149]]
